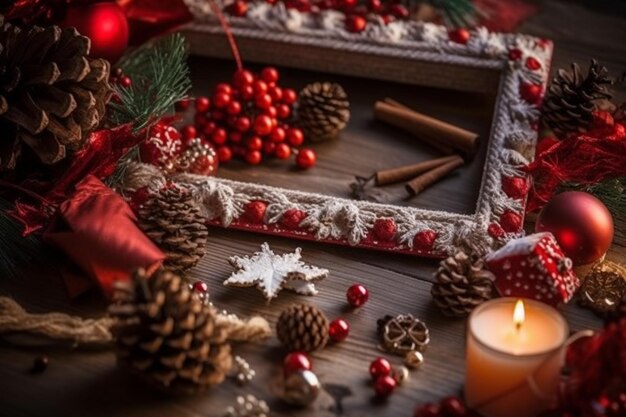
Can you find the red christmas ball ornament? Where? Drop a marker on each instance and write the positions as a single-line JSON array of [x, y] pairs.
[[581, 224], [357, 295], [254, 157], [189, 132], [460, 35], [282, 151], [424, 240], [202, 104], [296, 361], [254, 211], [306, 158], [295, 137], [224, 153], [384, 229], [163, 145], [515, 187], [355, 23], [511, 222], [384, 386], [531, 92], [289, 96], [380, 367], [270, 75], [242, 78], [291, 218], [198, 158], [263, 125], [338, 330], [104, 23]]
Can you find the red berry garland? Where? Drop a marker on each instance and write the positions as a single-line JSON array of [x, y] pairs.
[[250, 117]]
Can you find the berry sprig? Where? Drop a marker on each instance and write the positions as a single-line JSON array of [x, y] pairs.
[[249, 118]]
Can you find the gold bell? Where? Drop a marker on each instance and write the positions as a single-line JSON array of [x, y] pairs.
[[414, 359]]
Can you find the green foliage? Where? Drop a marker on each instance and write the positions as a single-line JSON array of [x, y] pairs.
[[160, 78], [457, 13], [611, 192]]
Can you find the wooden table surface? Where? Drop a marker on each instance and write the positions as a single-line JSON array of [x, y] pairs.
[[84, 381]]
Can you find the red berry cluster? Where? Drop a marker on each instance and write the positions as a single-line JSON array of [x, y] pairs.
[[249, 118], [447, 407], [118, 77]]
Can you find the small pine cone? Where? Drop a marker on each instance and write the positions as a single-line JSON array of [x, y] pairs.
[[167, 334], [572, 98], [323, 110], [462, 284], [302, 327], [52, 94], [174, 222]]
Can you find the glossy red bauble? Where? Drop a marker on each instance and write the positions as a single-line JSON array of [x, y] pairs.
[[254, 157], [189, 132], [243, 124], [380, 367], [219, 136], [242, 78], [460, 35], [296, 361], [202, 104], [278, 135], [282, 151], [306, 158], [263, 101], [581, 223], [234, 108], [283, 111], [289, 96], [255, 143], [384, 386], [221, 100], [338, 330], [224, 153], [263, 125], [295, 137], [163, 145], [104, 24], [270, 75], [357, 295]]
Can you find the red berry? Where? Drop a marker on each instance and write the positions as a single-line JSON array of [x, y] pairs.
[[234, 108], [460, 35], [384, 386], [453, 407], [357, 295], [355, 24], [224, 88], [224, 154], [269, 148], [239, 8], [292, 218], [283, 111], [399, 11], [263, 125], [384, 229], [306, 158], [254, 157], [274, 122], [276, 93], [289, 96], [380, 367], [242, 77], [427, 410], [347, 4], [125, 82], [260, 87], [278, 135], [219, 136], [182, 105], [270, 74], [255, 143], [271, 111], [217, 115], [247, 92], [515, 187], [208, 128], [296, 361], [511, 222], [282, 151], [374, 5], [202, 104], [424, 240], [515, 54], [242, 124], [200, 287], [235, 137], [295, 137], [254, 211], [532, 63], [189, 132], [263, 101], [221, 100], [338, 330], [531, 92]]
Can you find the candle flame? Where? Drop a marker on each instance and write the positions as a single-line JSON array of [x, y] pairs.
[[519, 314]]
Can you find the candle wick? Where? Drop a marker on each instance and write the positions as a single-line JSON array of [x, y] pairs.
[[518, 326]]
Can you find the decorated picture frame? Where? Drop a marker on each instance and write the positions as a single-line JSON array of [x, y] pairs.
[[514, 66]]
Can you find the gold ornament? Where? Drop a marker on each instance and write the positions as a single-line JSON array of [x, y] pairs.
[[403, 333], [604, 288], [301, 388], [401, 374], [414, 359], [248, 406]]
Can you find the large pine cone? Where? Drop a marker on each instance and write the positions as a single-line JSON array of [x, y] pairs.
[[51, 94], [323, 110], [302, 327], [461, 284], [167, 334], [572, 98], [174, 222]]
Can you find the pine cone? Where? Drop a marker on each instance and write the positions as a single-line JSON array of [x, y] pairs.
[[302, 327], [51, 93], [572, 99], [175, 224], [323, 110], [462, 284], [167, 334]]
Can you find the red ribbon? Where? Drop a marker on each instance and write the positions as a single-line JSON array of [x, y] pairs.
[[96, 229]]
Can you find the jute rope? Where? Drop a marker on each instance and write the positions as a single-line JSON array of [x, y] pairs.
[[61, 326]]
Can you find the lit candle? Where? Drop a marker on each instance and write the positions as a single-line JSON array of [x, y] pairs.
[[513, 357]]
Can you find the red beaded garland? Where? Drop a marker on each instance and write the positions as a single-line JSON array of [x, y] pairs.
[[296, 361], [357, 295], [338, 330], [380, 367], [384, 386]]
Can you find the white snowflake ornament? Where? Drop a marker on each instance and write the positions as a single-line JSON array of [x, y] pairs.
[[270, 273]]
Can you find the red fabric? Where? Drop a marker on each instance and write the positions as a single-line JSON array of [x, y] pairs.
[[505, 15], [96, 229], [585, 158]]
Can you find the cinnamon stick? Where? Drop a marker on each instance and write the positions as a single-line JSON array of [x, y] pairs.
[[441, 135], [420, 183], [403, 173]]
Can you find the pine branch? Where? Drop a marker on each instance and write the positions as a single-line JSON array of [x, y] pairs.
[[160, 78], [457, 13], [611, 192]]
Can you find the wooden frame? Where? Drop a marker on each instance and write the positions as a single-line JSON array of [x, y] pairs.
[[514, 66]]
